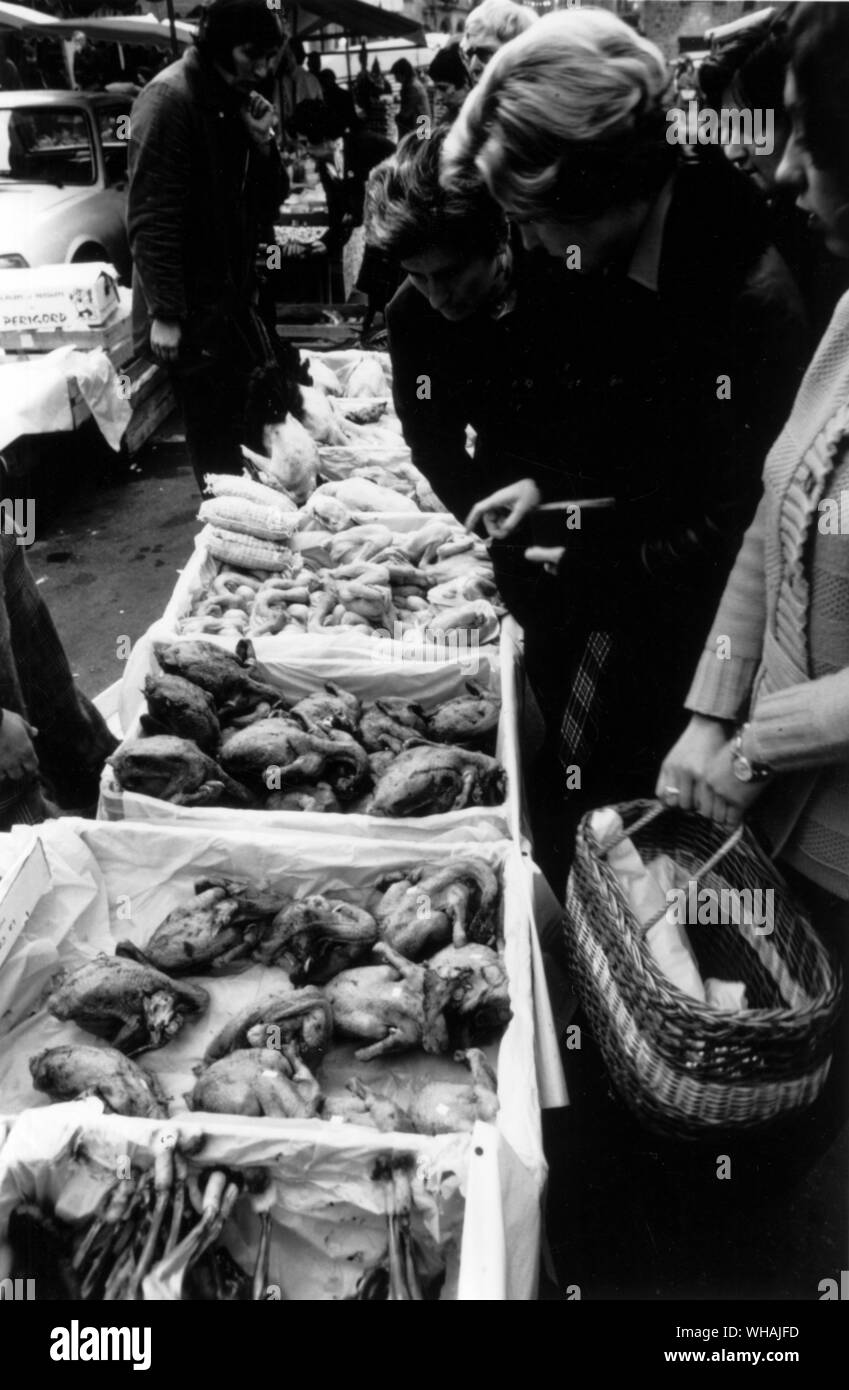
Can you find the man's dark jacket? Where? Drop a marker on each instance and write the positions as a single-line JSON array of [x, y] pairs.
[[200, 194]]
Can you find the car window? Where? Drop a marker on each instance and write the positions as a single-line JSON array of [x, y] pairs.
[[114, 126], [46, 144]]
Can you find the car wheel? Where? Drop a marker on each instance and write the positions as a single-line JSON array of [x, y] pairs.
[[92, 252], [89, 252]]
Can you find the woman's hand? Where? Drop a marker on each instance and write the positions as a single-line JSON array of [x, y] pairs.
[[17, 755], [697, 775], [165, 340], [721, 796], [502, 511], [685, 765]]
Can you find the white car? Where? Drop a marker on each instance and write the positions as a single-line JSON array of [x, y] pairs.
[[63, 178]]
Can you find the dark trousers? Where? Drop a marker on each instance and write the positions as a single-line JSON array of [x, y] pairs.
[[212, 399], [210, 382]]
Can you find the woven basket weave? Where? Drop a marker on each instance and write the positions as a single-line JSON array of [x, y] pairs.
[[684, 1068]]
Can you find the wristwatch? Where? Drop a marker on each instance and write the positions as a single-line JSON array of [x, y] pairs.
[[743, 768]]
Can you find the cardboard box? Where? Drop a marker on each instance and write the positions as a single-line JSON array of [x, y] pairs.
[[51, 298], [72, 887]]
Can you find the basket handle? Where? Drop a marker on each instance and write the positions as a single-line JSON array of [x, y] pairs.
[[646, 819], [711, 863]]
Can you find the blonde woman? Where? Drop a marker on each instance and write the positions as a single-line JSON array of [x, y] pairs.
[[686, 353]]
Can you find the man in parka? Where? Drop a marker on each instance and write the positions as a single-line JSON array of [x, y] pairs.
[[205, 179]]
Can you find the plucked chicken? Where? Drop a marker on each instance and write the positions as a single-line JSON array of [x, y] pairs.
[[395, 1007], [479, 1007], [174, 769], [257, 1081], [446, 1107], [288, 1015], [316, 937], [132, 1006], [364, 1106], [426, 908], [430, 779], [74, 1071], [469, 721], [390, 723], [204, 937], [227, 677], [179, 707], [275, 753]]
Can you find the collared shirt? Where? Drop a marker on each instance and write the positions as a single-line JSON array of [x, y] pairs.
[[644, 268], [505, 295]]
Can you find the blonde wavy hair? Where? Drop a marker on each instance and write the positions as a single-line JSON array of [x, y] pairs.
[[569, 118], [497, 20]]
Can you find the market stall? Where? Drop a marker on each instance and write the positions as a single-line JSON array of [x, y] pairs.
[[358, 973], [64, 903], [66, 357]]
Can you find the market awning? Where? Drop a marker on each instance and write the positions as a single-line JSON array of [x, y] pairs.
[[72, 8], [21, 17], [132, 29], [356, 19], [352, 18]]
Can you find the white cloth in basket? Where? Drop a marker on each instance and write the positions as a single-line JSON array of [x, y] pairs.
[[645, 889]]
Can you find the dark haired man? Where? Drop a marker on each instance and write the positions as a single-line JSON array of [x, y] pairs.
[[414, 102], [205, 178], [450, 77]]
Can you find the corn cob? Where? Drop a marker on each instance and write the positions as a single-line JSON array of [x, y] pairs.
[[236, 548], [251, 518], [232, 622], [240, 485]]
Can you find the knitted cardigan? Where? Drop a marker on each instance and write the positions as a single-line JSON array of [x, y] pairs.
[[757, 660]]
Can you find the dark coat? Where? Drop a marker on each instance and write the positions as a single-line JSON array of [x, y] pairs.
[[414, 103], [606, 388], [200, 194]]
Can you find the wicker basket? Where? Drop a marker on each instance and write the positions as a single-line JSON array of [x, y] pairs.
[[684, 1068]]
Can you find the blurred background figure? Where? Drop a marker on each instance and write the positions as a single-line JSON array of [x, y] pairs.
[[305, 79], [746, 74], [32, 76], [488, 27], [342, 114], [10, 78], [94, 64], [686, 80], [371, 93], [414, 102], [295, 84], [449, 76]]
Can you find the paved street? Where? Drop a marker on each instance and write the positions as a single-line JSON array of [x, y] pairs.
[[108, 550]]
